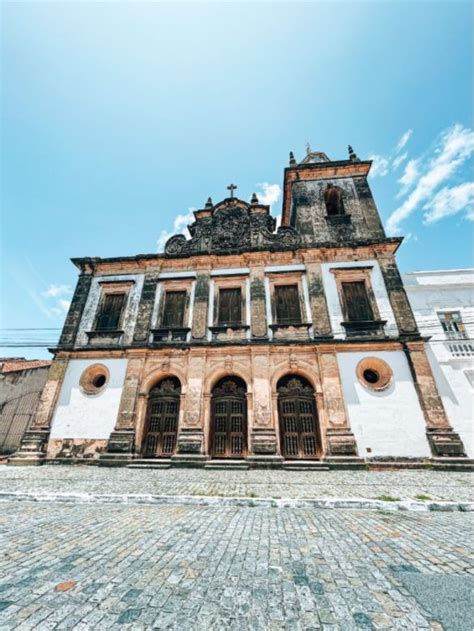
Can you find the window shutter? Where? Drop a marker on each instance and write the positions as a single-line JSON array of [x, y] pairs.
[[173, 312], [287, 304], [110, 312], [230, 306], [357, 301]]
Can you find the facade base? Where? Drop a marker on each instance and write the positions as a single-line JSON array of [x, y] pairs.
[[189, 460], [119, 450], [32, 449], [445, 443]]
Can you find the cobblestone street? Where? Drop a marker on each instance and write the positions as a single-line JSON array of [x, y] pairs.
[[105, 567], [403, 484]]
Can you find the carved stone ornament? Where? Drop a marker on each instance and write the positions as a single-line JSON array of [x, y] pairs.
[[233, 226], [229, 387], [167, 387], [295, 387]]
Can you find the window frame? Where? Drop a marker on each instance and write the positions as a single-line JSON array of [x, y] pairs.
[[166, 293], [228, 322], [450, 334], [110, 289], [287, 321], [355, 274]]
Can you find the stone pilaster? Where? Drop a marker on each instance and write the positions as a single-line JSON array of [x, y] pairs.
[[145, 309], [317, 299], [201, 304], [339, 437], [257, 301], [190, 444], [263, 438], [398, 298], [121, 445], [32, 449], [74, 315], [443, 440]]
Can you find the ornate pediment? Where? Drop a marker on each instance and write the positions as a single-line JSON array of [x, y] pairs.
[[232, 226]]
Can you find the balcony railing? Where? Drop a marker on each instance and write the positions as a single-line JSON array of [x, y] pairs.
[[461, 348]]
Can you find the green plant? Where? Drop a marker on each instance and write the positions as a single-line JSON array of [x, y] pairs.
[[387, 498]]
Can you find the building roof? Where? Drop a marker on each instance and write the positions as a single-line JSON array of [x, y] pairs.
[[17, 364]]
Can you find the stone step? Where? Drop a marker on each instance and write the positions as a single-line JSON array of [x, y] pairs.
[[305, 465], [226, 464], [150, 463]]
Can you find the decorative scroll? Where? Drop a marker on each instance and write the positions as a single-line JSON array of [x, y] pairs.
[[295, 387], [232, 227]]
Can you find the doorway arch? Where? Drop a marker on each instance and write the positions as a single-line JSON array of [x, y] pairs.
[[228, 428], [298, 419], [162, 418]]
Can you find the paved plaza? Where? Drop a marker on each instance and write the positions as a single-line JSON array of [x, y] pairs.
[[80, 566]]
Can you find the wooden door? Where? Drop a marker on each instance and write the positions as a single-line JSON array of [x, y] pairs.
[[229, 420], [162, 421], [298, 420]]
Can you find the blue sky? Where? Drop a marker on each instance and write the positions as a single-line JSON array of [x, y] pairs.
[[120, 117]]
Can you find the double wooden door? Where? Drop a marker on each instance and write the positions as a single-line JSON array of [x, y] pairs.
[[162, 420], [229, 421], [298, 421]]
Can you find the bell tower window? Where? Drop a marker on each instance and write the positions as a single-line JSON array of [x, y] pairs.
[[333, 200]]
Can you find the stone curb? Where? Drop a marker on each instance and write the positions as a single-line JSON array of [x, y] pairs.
[[204, 500]]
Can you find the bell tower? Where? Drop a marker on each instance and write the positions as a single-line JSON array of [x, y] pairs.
[[330, 202]]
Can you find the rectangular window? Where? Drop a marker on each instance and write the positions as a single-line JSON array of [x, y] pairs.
[[287, 304], [110, 312], [452, 324], [230, 306], [173, 310], [357, 301]]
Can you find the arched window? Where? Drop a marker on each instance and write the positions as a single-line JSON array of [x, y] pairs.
[[228, 431], [333, 200], [162, 418], [298, 419]]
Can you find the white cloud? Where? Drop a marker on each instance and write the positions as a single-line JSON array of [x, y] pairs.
[[452, 149], [450, 201], [403, 140], [269, 194], [379, 166], [180, 226], [399, 159], [410, 175], [54, 291]]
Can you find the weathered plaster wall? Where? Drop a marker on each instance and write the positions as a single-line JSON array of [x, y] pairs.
[[78, 415], [131, 308], [380, 292], [390, 422], [310, 214]]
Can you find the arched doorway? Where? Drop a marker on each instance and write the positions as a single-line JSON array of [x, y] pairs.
[[297, 418], [228, 435], [162, 419]]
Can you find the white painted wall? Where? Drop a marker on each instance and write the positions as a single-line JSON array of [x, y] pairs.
[[79, 415], [389, 422], [431, 292], [380, 292]]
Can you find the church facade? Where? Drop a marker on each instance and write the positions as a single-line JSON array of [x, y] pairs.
[[250, 344]]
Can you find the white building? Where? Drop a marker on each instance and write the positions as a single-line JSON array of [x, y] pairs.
[[443, 304]]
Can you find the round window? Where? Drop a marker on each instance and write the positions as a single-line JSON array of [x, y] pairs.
[[374, 373], [94, 379]]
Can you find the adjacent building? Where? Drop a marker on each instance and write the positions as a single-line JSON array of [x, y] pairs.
[[21, 383], [243, 342], [443, 304]]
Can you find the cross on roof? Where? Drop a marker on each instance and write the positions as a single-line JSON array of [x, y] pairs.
[[232, 188]]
